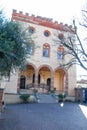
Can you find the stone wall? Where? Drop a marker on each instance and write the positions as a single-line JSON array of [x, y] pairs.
[[11, 98]]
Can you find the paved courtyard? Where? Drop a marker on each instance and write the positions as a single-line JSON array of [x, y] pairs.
[[44, 116]]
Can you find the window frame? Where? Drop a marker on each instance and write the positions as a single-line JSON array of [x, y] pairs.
[[47, 47], [60, 50], [47, 32], [32, 30]]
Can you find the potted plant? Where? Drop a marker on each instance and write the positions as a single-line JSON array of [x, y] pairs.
[[61, 97], [25, 97]]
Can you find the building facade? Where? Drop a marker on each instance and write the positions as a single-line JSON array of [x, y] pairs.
[[46, 56], [82, 83]]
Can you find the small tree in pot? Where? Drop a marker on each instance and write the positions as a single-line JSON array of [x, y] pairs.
[[61, 97]]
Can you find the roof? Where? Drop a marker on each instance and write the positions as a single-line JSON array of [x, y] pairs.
[[43, 21]]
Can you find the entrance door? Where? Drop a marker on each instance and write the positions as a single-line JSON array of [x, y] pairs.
[[33, 80], [22, 82], [39, 79], [49, 83]]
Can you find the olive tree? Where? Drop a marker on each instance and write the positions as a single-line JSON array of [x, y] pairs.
[[14, 46]]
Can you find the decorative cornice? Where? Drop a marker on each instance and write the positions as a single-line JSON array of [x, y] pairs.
[[43, 21]]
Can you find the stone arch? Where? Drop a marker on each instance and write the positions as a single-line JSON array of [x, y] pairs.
[[45, 65], [46, 72], [34, 66], [60, 76], [60, 69], [28, 73], [33, 71]]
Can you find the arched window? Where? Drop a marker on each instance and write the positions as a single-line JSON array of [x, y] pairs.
[[31, 48], [46, 50], [60, 53], [22, 82], [60, 36]]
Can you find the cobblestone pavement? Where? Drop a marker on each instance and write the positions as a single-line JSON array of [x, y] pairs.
[[44, 117]]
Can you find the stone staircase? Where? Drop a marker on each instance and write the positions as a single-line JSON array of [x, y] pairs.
[[46, 98]]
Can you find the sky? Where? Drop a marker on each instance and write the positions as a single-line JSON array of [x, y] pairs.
[[60, 10]]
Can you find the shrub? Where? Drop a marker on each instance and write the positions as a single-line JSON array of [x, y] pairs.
[[61, 96], [24, 97]]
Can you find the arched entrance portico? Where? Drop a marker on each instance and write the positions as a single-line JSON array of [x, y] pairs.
[[44, 75]]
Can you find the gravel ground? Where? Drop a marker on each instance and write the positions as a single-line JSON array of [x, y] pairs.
[[44, 116]]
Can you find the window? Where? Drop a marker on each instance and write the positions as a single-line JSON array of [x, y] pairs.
[[46, 50], [46, 33], [31, 48], [22, 82], [60, 53], [60, 36], [31, 30]]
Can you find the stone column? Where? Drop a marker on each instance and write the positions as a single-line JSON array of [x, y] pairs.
[[36, 79], [18, 84], [52, 80], [66, 83]]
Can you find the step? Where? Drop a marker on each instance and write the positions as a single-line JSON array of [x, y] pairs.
[[46, 98]]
